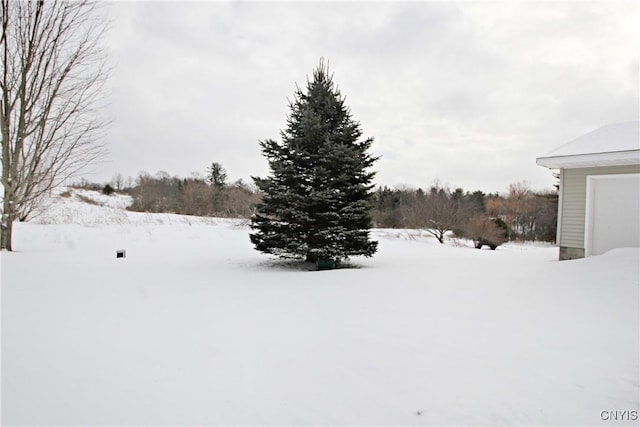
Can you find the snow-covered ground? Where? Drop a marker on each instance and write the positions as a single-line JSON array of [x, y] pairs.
[[194, 327]]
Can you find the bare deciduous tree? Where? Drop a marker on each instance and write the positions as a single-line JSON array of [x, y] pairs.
[[444, 213], [118, 181], [438, 211], [529, 215], [518, 209], [51, 76]]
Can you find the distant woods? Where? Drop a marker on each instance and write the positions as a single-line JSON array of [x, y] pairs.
[[192, 196], [201, 196], [522, 213]]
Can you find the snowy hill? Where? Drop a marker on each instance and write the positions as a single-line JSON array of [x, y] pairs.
[[93, 208], [194, 327]]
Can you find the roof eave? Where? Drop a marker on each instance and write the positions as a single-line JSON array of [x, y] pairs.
[[619, 158]]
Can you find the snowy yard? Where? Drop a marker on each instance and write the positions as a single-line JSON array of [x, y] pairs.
[[194, 327]]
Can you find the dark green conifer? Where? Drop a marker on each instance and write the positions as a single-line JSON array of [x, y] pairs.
[[316, 200]]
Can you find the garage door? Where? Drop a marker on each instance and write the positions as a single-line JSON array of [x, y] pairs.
[[613, 213]]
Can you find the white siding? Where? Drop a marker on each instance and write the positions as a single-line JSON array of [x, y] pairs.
[[574, 199]]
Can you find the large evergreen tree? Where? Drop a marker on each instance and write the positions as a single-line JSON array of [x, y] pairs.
[[316, 201]]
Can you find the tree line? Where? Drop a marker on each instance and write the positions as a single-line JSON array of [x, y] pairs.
[[521, 213], [210, 195], [192, 196]]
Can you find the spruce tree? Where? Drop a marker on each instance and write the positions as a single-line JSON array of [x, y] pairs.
[[316, 200], [216, 175]]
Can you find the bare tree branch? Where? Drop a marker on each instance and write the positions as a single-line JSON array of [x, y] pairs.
[[52, 77]]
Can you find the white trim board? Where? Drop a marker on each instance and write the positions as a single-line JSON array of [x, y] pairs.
[[631, 157], [560, 209]]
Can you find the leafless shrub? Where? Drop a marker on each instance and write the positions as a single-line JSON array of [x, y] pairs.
[[87, 200], [483, 231]]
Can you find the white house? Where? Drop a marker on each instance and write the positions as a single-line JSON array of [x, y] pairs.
[[599, 203]]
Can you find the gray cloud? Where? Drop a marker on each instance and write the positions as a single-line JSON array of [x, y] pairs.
[[469, 93]]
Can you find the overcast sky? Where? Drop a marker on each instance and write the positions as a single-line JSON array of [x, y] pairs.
[[467, 93]]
